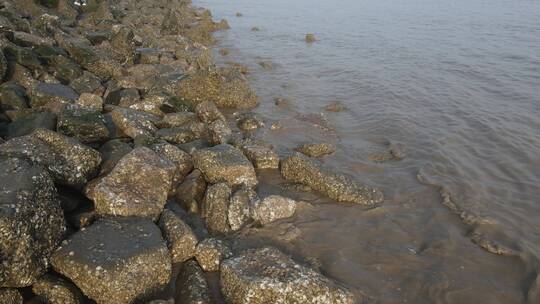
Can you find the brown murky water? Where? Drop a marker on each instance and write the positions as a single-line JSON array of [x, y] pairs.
[[454, 87]]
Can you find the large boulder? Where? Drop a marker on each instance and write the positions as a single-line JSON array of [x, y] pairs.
[[68, 161], [264, 276], [191, 286], [55, 290], [31, 222], [180, 238], [225, 163], [115, 260], [300, 169], [137, 186]]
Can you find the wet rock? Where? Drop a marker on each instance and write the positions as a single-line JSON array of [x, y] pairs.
[[261, 157], [123, 97], [179, 119], [219, 132], [180, 238], [239, 211], [190, 192], [30, 122], [316, 149], [169, 301], [68, 161], [12, 97], [58, 62], [25, 39], [225, 163], [150, 103], [52, 96], [224, 52], [87, 83], [239, 14], [84, 124], [227, 88], [10, 296], [208, 112], [111, 152], [273, 208], [55, 290], [282, 102], [269, 276], [215, 208], [31, 222], [191, 285], [335, 106], [115, 260], [210, 253], [137, 186], [134, 123], [300, 169], [249, 122], [266, 65], [310, 38], [90, 101]]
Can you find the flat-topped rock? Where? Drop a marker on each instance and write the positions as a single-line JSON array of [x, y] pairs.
[[300, 169], [115, 260], [31, 222], [225, 163], [137, 186], [68, 161], [266, 275]]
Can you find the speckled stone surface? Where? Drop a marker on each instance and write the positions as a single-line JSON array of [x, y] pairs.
[[225, 163], [268, 276], [273, 208], [239, 212], [10, 296], [115, 260], [54, 290], [137, 186], [190, 192], [68, 161], [261, 157], [215, 208], [300, 169], [210, 252], [181, 240], [191, 286], [31, 222], [316, 149], [134, 123]]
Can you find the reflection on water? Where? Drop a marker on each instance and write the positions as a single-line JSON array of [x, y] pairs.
[[455, 85]]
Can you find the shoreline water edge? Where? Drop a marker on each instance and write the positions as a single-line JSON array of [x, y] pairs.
[[130, 164]]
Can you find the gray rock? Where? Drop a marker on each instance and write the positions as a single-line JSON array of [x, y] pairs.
[[90, 101], [192, 146], [208, 112], [87, 83], [267, 275], [210, 253], [10, 296], [180, 238], [300, 169], [215, 208], [51, 96], [111, 152], [225, 163], [239, 212], [219, 132], [115, 260], [273, 208], [3, 66], [82, 217], [68, 161], [26, 124], [250, 122], [190, 192], [181, 135], [178, 119], [86, 125], [261, 157], [137, 186], [179, 158], [12, 97], [316, 149], [23, 56], [191, 286], [134, 123], [123, 97], [31, 222], [54, 290]]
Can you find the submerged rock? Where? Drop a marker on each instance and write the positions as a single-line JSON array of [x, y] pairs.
[[225, 163], [31, 222], [55, 290], [191, 286], [10, 296], [266, 275], [310, 38], [210, 253], [180, 238], [316, 149], [137, 186], [272, 208], [116, 260], [300, 169], [68, 161]]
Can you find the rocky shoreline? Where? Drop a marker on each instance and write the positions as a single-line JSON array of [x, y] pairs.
[[121, 179]]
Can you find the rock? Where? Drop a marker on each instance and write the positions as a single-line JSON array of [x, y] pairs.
[[111, 152], [249, 122], [28, 40], [10, 296], [273, 208], [12, 97], [62, 67], [191, 191], [137, 186], [267, 275], [31, 222], [172, 120], [52, 96], [23, 56], [175, 104], [67, 160], [84, 124], [310, 38], [90, 101], [150, 103], [215, 208], [147, 56], [210, 253], [134, 123], [169, 301], [227, 88], [55, 290], [261, 157], [335, 106], [192, 146], [179, 158], [181, 135], [224, 51], [239, 211], [225, 163], [115, 260], [82, 217], [30, 122], [122, 42], [3, 66], [191, 286], [123, 97], [255, 29], [300, 169], [239, 14], [208, 112], [180, 238], [316, 149], [87, 83], [219, 132], [282, 102]]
